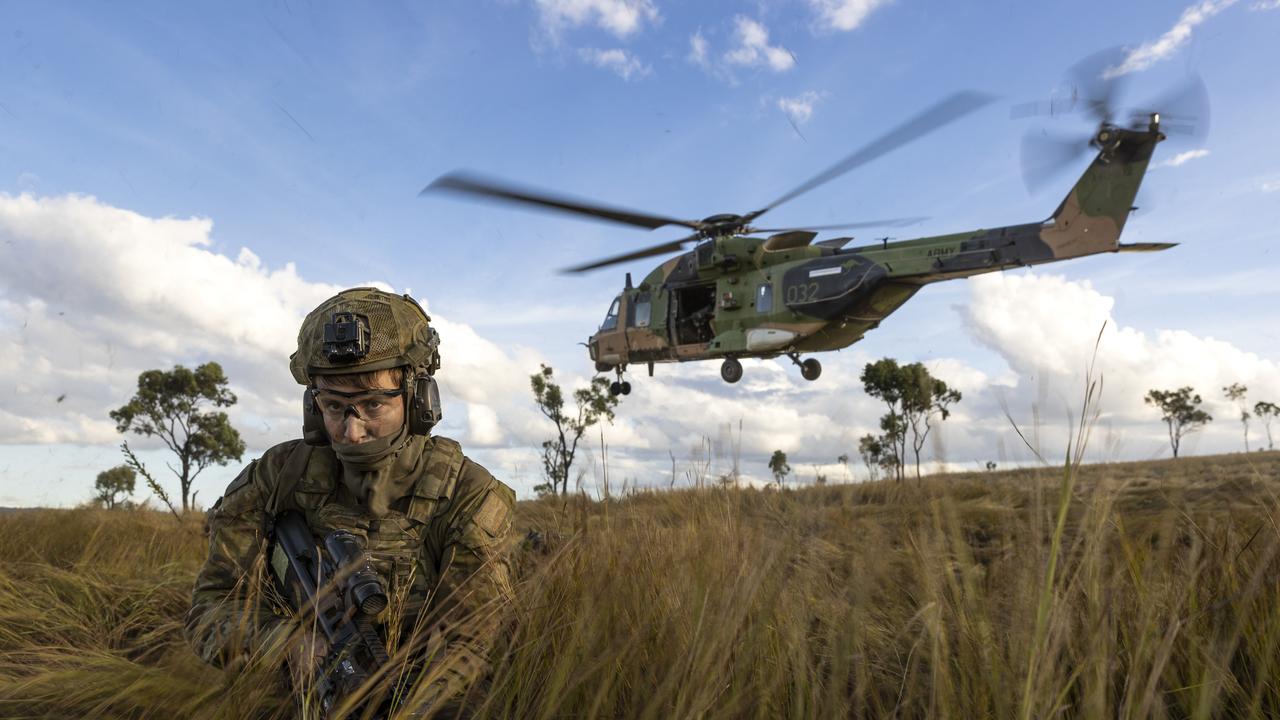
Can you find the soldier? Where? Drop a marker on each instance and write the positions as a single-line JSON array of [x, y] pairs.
[[433, 521]]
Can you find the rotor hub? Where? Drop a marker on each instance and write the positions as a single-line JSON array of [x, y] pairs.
[[1107, 137], [722, 223]]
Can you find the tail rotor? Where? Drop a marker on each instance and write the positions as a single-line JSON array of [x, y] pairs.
[[1098, 85]]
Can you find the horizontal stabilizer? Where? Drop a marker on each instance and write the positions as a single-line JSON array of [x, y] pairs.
[[1144, 247]]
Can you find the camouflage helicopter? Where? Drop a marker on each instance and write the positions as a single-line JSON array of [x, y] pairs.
[[735, 296]]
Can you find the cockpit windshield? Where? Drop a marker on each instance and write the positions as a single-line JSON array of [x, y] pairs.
[[611, 318]]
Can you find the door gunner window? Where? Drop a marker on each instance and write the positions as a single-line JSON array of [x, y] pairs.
[[611, 318], [764, 298]]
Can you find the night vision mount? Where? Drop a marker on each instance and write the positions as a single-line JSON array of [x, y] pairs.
[[346, 338]]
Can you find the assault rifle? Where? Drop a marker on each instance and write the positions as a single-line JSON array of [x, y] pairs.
[[336, 589]]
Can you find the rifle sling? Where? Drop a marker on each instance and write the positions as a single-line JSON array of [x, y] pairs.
[[295, 466]]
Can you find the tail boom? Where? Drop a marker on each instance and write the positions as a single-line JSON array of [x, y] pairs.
[[1088, 221]]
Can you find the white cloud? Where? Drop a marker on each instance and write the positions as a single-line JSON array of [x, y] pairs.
[[508, 313], [845, 14], [1183, 158], [619, 17], [91, 295], [1045, 327], [710, 61], [618, 61], [754, 50], [799, 109], [482, 424], [698, 50], [1270, 186], [1148, 54], [1266, 5]]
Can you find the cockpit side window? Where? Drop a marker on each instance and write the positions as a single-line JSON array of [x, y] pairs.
[[764, 298], [639, 311], [611, 318]]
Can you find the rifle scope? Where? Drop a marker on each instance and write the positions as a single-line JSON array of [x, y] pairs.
[[360, 582]]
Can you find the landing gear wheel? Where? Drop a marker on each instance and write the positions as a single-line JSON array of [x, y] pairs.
[[810, 369], [731, 370], [619, 386]]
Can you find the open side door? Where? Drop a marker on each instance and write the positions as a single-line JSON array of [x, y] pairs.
[[692, 308]]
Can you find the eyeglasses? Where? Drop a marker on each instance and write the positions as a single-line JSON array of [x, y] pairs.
[[368, 405]]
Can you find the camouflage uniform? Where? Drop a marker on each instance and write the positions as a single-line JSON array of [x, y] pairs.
[[439, 551]]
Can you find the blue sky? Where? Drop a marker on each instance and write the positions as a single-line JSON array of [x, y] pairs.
[[267, 153]]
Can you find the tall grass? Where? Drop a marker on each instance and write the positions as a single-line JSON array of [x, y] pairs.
[[1131, 590]]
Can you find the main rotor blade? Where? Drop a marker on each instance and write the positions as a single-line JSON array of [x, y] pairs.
[[890, 222], [949, 110], [1052, 107], [1097, 89], [661, 249], [1044, 156], [465, 183]]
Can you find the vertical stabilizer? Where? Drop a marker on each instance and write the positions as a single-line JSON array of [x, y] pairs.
[[1093, 214]]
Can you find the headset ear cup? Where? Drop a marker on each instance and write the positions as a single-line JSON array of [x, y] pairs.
[[424, 405], [313, 432]]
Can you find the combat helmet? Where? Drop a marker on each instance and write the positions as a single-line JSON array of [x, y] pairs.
[[363, 330]]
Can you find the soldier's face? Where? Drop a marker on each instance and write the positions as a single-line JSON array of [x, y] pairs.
[[368, 415]]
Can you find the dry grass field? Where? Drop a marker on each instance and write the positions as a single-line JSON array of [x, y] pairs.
[[1125, 590]]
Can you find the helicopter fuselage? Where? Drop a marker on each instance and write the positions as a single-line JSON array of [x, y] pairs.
[[734, 296]]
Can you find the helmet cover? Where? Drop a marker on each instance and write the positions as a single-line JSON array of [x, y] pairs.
[[362, 330]]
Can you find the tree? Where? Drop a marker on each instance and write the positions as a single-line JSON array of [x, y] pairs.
[[778, 466], [875, 455], [926, 397], [893, 444], [914, 398], [819, 477], [593, 404], [1267, 412], [880, 380], [118, 480], [1180, 411], [171, 406], [1236, 392], [844, 462]]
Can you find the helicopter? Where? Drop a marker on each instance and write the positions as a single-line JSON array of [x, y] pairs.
[[735, 295]]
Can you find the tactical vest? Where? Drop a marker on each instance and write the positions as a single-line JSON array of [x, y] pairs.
[[310, 482]]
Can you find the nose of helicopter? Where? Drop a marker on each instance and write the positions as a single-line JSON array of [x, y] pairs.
[[593, 349]]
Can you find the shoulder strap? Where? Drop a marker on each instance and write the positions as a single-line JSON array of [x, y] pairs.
[[295, 465], [439, 479]]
